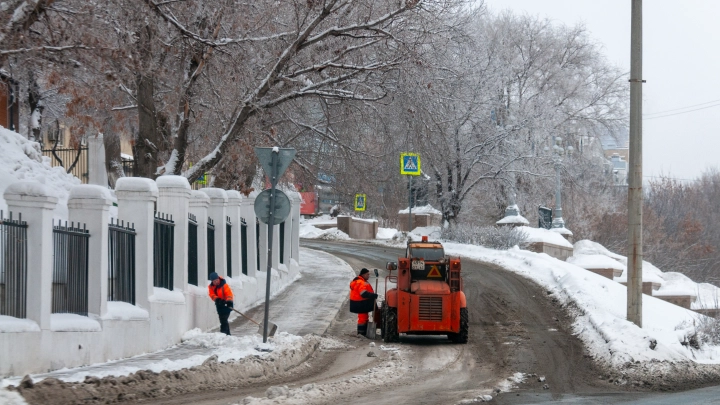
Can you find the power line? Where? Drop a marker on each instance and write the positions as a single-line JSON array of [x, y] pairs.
[[682, 112], [669, 178], [683, 108]]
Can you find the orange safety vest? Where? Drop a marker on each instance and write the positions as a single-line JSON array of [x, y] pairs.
[[221, 291], [358, 304], [357, 287]]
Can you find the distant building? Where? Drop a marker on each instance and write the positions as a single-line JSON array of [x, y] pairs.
[[9, 109], [619, 169], [615, 149]]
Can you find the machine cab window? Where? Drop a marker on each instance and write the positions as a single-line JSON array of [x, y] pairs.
[[427, 253]]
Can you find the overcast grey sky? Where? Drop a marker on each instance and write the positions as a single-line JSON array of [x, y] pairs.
[[681, 63]]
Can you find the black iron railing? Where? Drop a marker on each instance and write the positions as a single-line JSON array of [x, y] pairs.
[[243, 245], [228, 245], [128, 166], [192, 250], [121, 262], [73, 160], [210, 247], [70, 269], [13, 266], [163, 251]]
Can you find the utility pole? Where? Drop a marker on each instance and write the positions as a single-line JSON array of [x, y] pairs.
[[635, 197]]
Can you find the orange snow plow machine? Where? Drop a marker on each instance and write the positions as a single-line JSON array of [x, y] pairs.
[[427, 298]]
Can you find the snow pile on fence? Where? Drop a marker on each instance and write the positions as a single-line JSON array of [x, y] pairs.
[[544, 235], [308, 231], [425, 209], [22, 159]]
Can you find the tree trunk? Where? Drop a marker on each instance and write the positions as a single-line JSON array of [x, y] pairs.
[[113, 161], [35, 102]]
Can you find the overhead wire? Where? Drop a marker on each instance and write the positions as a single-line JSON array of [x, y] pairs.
[[681, 110]]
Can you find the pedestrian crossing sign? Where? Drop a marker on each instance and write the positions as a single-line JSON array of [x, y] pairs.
[[410, 164], [360, 202]]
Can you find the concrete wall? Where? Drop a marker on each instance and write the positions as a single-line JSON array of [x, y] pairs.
[[358, 228], [160, 317], [556, 251], [680, 300], [607, 273], [419, 220]]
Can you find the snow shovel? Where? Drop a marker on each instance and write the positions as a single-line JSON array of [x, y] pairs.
[[371, 326], [271, 326]]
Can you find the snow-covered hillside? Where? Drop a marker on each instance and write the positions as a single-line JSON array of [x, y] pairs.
[[21, 159]]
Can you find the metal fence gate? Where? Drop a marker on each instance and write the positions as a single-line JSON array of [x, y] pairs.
[[66, 157], [210, 247], [163, 251], [121, 262], [243, 245], [70, 269], [228, 245], [192, 250], [13, 266]]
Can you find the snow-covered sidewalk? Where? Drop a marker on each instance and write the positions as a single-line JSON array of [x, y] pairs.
[[306, 306]]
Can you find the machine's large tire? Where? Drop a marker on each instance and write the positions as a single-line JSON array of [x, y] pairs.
[[462, 336], [390, 330]]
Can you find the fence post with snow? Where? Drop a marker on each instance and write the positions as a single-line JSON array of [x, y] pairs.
[[174, 200], [90, 204], [36, 203], [217, 212], [199, 203], [234, 236], [136, 204], [247, 211]]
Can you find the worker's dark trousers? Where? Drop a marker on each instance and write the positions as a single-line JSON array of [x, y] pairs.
[[224, 325]]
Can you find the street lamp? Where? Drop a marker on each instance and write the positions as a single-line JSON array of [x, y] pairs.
[[558, 153]]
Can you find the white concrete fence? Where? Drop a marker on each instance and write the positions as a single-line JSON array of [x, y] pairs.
[[46, 341]]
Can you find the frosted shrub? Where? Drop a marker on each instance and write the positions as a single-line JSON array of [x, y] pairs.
[[708, 330], [488, 236]]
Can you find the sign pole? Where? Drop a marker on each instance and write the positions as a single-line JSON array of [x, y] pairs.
[[409, 205], [271, 225]]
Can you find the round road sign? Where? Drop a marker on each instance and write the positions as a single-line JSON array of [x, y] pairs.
[[262, 206]]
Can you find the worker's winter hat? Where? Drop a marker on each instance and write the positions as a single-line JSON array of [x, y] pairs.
[[364, 271], [214, 276]]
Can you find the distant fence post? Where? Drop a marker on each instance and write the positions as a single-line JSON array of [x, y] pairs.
[[174, 199], [247, 210], [36, 203], [199, 203], [295, 200], [90, 204], [97, 171], [136, 200], [217, 211], [233, 211]]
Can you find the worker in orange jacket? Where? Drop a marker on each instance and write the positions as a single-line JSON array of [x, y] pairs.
[[362, 299], [221, 293]]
